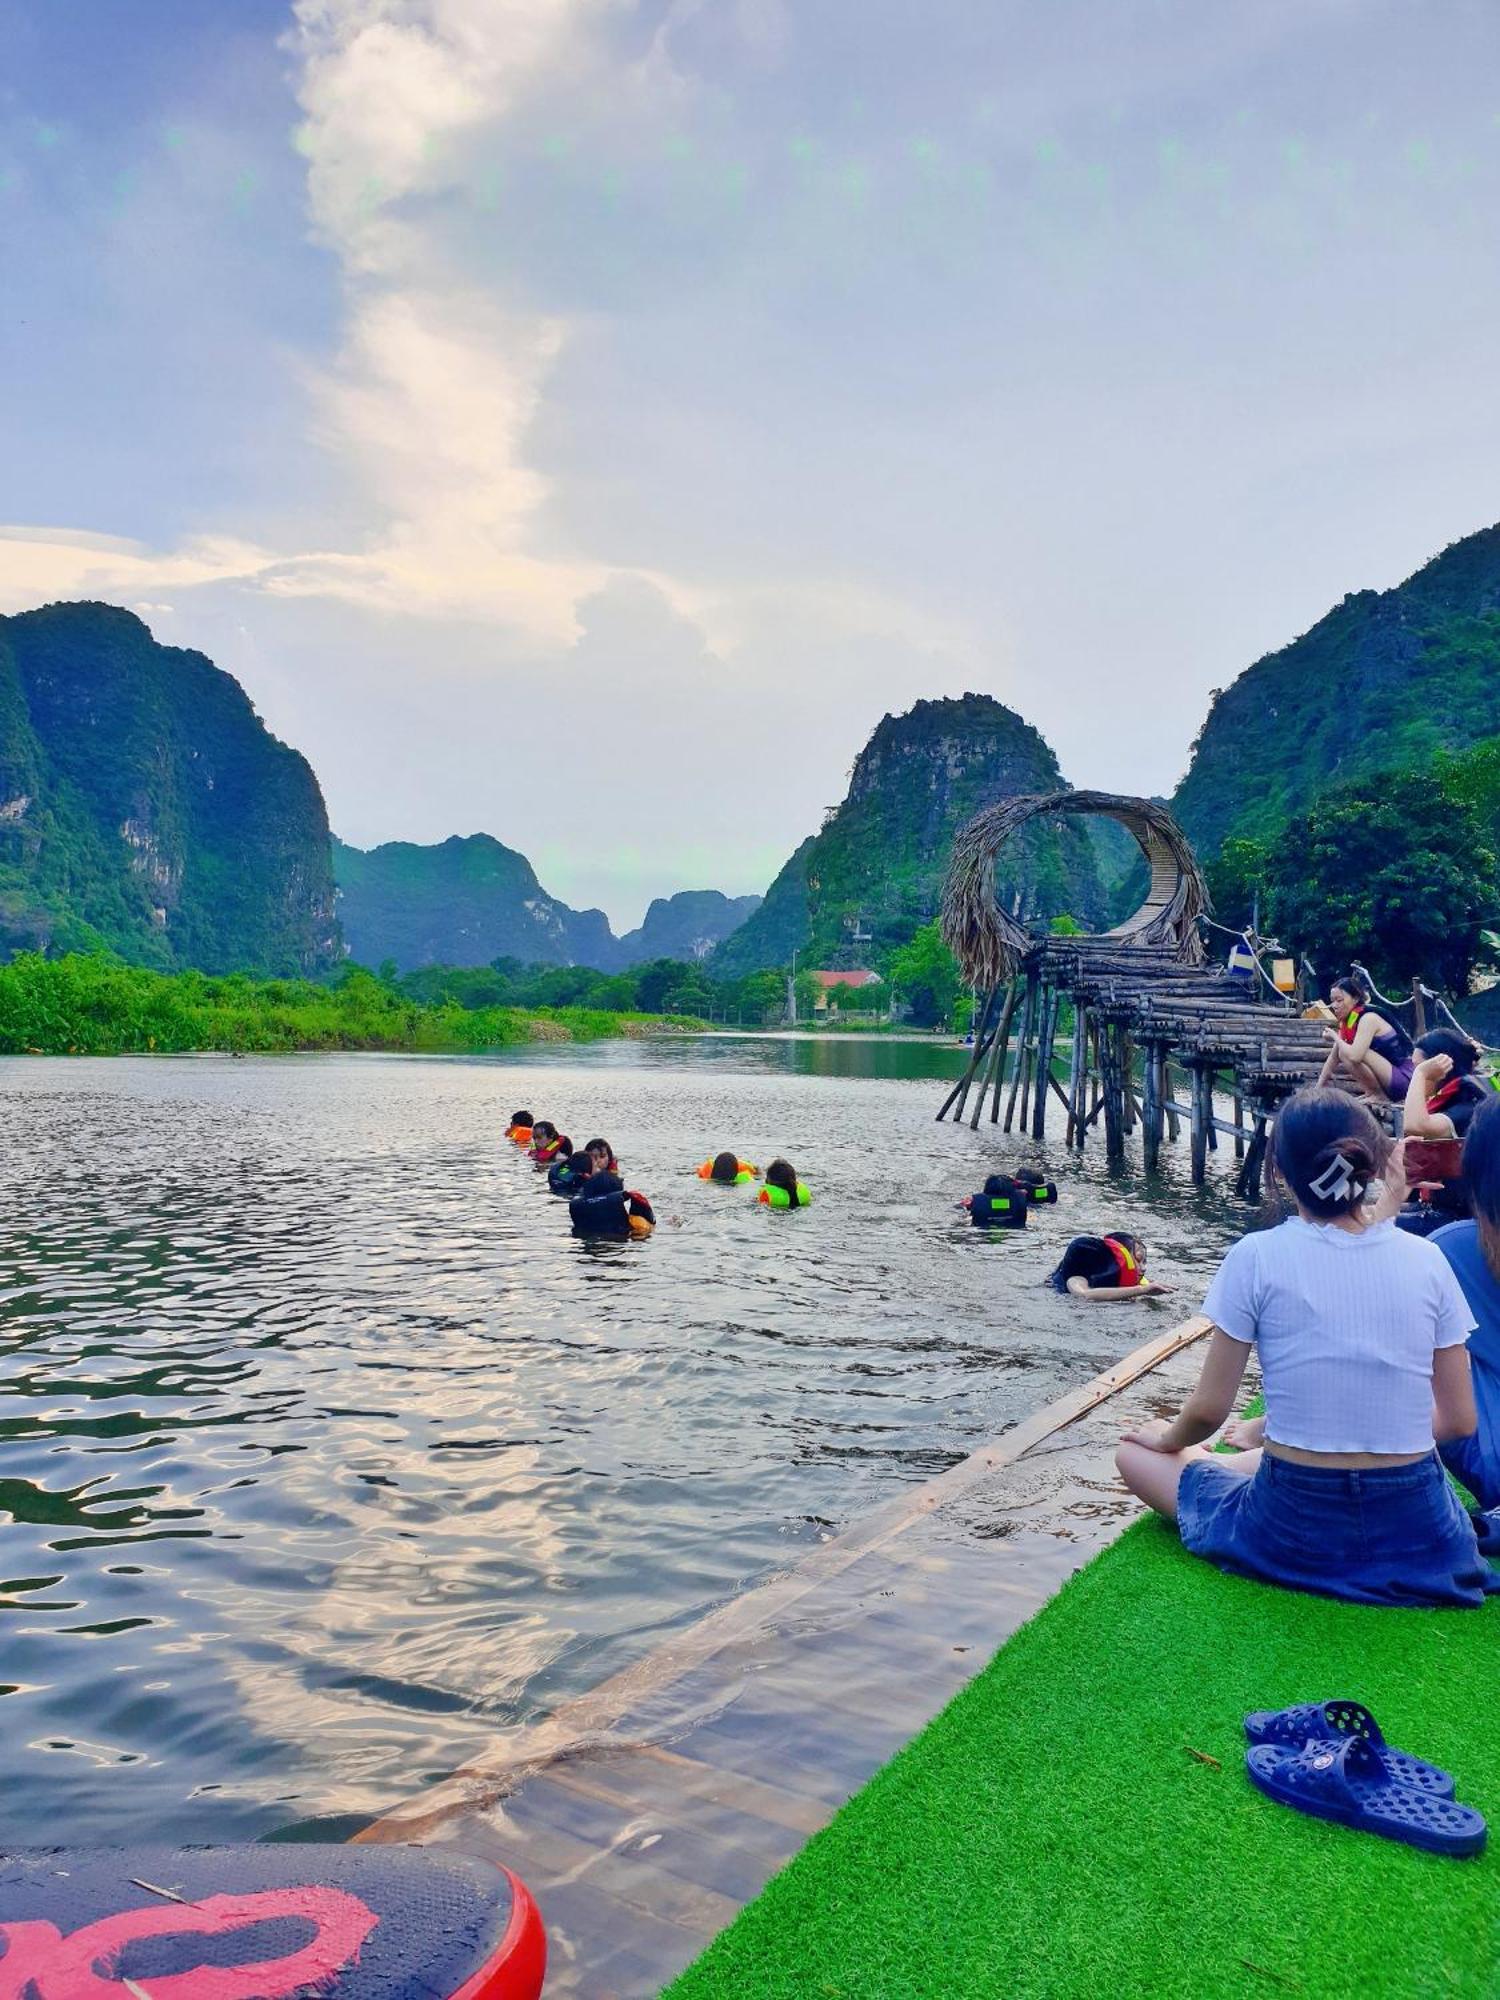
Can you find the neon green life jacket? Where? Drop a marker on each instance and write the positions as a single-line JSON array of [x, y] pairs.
[[776, 1197]]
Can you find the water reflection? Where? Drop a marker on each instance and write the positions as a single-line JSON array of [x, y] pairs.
[[324, 1450]]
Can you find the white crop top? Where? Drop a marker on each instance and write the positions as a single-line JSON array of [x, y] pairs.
[[1345, 1326]]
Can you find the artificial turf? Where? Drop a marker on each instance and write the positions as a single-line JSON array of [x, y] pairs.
[[1050, 1833]]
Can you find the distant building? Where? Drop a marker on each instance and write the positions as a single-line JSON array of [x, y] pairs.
[[835, 987]]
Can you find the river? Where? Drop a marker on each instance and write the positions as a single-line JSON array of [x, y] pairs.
[[325, 1452]]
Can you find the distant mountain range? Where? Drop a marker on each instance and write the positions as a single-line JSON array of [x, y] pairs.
[[466, 901], [145, 807]]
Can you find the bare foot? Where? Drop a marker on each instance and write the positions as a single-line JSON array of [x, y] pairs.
[[1244, 1433]]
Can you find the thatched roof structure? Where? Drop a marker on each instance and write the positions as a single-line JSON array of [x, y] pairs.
[[989, 944]]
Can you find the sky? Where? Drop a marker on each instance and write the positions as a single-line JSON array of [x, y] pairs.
[[582, 420]]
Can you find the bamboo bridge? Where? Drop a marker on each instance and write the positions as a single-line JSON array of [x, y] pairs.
[[1150, 1019]]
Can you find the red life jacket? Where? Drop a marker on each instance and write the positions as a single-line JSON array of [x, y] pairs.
[[1446, 1095], [1125, 1263], [1349, 1026]]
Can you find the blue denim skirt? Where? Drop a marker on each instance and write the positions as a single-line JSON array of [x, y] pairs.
[[1396, 1534]]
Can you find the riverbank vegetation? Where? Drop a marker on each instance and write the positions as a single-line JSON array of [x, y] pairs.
[[94, 1005]]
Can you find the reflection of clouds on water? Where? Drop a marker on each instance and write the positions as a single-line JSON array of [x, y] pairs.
[[328, 1453]]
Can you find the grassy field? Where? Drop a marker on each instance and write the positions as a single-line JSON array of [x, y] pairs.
[[82, 1005], [1053, 1834]]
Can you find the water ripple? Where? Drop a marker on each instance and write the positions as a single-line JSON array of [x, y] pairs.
[[325, 1451]]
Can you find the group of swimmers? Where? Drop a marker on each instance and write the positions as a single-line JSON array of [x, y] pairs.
[[599, 1203], [1098, 1268], [1379, 1354]]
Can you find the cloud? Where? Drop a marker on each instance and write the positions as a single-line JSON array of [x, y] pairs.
[[433, 394], [41, 565]]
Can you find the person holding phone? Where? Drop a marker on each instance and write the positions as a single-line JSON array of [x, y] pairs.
[[1442, 1098]]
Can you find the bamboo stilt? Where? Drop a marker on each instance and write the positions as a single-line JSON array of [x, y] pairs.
[[1044, 1062], [956, 1097], [1027, 1005]]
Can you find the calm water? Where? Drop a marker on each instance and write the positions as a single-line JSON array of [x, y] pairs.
[[325, 1452]]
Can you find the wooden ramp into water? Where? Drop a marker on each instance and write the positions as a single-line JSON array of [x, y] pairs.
[[644, 1815]]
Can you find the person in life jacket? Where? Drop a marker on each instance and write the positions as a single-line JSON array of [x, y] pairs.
[[728, 1169], [1105, 1267], [568, 1172], [602, 1153], [1001, 1203], [1040, 1192], [782, 1188], [1446, 1091], [604, 1206], [519, 1128], [548, 1142], [1366, 1049]]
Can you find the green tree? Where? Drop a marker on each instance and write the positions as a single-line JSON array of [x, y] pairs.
[[925, 975], [690, 993], [1474, 777], [654, 981], [1395, 872], [809, 992], [761, 995], [1237, 878]]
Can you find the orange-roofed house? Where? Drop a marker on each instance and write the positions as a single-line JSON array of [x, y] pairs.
[[836, 989]]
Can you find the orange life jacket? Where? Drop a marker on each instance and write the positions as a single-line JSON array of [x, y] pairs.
[[520, 1134], [1127, 1266]]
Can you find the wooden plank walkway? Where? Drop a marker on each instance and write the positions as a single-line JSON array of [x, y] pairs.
[[645, 1814], [1138, 1013]]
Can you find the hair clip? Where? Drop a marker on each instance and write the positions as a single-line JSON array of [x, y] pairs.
[[1338, 1179]]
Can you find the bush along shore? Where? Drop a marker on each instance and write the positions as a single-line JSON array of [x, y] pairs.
[[95, 1006]]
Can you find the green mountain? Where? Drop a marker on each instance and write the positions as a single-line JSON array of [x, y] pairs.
[[860, 887], [461, 902], [144, 806], [686, 926], [1385, 682]]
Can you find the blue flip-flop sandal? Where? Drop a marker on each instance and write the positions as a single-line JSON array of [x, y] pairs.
[[1328, 1721], [1350, 1783]]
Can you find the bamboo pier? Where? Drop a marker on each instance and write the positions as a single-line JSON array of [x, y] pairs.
[[1156, 1035]]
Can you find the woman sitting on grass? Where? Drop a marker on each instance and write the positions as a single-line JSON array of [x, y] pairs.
[[1368, 1051], [1360, 1332], [1472, 1250]]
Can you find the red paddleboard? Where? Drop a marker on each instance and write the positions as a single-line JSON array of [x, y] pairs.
[[265, 1923]]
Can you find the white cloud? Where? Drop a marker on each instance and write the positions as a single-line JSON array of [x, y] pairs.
[[40, 565], [432, 396]]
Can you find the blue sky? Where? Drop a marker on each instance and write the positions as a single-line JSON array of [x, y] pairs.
[[581, 420]]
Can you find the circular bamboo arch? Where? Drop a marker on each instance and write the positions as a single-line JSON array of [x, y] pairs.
[[989, 944]]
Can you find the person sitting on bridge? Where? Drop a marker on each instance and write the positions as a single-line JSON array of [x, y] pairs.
[[1103, 1268], [1372, 1053], [1441, 1103]]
